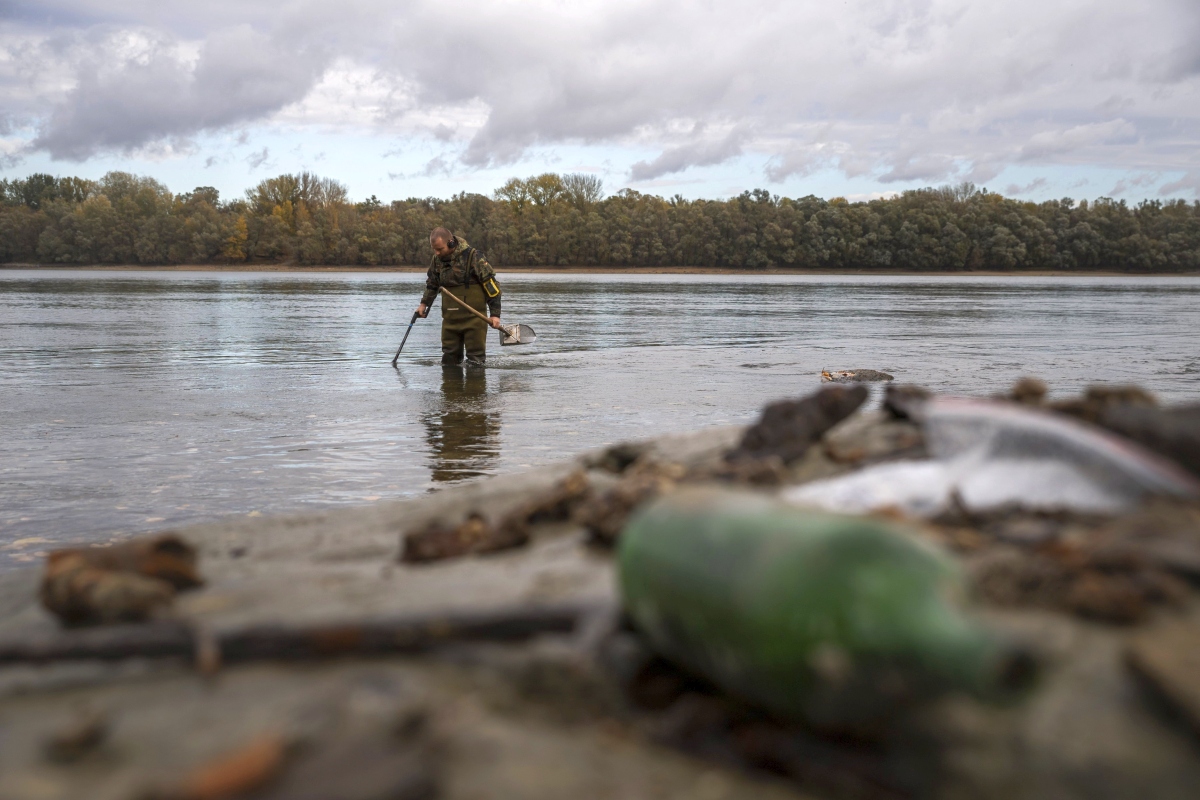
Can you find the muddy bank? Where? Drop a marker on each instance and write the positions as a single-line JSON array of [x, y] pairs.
[[375, 688]]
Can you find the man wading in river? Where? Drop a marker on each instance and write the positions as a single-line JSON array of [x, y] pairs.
[[466, 274]]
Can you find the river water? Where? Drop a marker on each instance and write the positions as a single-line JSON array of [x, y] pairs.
[[134, 401]]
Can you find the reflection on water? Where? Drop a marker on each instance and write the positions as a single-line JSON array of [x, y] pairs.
[[134, 401], [463, 433]]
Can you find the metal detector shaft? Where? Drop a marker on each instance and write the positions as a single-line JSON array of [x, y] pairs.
[[405, 339]]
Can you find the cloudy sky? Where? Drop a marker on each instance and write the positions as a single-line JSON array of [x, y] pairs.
[[1033, 98]]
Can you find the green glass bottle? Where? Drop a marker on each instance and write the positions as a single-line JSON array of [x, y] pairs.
[[838, 620]]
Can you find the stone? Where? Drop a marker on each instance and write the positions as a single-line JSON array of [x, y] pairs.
[[1029, 391], [854, 376], [872, 438], [1171, 432], [604, 515], [1098, 400], [126, 582], [787, 428]]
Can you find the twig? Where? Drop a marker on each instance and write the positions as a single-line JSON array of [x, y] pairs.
[[411, 634]]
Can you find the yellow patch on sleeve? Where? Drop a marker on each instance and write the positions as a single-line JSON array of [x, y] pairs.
[[491, 288]]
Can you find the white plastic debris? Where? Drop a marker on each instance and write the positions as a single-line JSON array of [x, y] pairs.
[[988, 455]]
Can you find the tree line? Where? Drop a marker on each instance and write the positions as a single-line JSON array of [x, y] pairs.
[[567, 220]]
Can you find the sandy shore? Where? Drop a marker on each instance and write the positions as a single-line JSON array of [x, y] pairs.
[[590, 270], [557, 714]]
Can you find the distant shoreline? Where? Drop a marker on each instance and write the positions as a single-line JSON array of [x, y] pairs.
[[598, 270]]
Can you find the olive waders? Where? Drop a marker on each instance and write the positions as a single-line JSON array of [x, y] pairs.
[[462, 329]]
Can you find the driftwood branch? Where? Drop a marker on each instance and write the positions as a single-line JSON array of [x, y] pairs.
[[399, 635]]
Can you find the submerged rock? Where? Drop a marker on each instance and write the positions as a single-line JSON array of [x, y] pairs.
[[855, 376]]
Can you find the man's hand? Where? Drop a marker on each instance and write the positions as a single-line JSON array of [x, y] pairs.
[[494, 322], [422, 311]]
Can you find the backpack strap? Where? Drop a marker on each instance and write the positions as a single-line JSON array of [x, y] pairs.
[[471, 251]]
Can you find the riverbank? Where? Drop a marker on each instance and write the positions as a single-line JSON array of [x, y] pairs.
[[586, 711], [633, 271]]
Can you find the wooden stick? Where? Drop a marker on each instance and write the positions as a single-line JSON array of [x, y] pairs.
[[411, 634], [467, 307]]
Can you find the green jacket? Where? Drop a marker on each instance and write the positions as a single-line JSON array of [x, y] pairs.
[[465, 266]]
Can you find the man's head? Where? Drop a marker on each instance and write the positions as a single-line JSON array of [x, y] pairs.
[[442, 241]]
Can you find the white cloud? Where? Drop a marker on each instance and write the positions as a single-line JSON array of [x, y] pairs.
[[1034, 185], [1059, 142], [699, 153], [896, 90], [1188, 184], [139, 87], [1143, 181]]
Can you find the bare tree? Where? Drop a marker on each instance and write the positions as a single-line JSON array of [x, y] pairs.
[[582, 190], [320, 192], [273, 192]]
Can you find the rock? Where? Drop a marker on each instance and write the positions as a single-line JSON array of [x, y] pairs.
[[476, 535], [1172, 432], [1029, 391], [854, 376], [165, 557], [872, 438], [438, 541], [126, 582], [555, 505], [787, 428], [903, 401], [1097, 400], [604, 515], [619, 457]]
